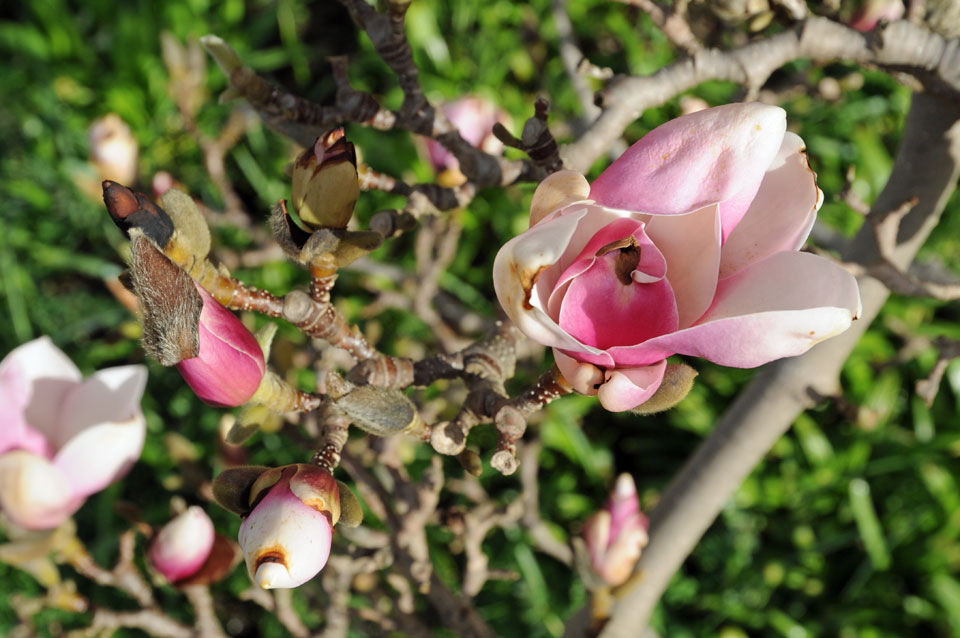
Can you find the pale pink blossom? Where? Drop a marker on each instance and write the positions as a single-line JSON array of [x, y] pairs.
[[63, 438], [872, 12], [113, 149], [473, 117], [615, 535], [687, 244], [182, 546], [230, 365], [286, 538]]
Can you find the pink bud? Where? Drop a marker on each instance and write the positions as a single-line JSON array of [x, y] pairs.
[[183, 544], [615, 535], [230, 365], [286, 538]]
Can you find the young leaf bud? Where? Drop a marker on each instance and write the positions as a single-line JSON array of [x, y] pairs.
[[170, 304], [676, 385], [325, 183], [191, 230], [379, 411], [134, 210]]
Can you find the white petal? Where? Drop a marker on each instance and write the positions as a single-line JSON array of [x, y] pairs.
[[518, 269], [34, 493], [110, 395], [99, 455], [48, 374]]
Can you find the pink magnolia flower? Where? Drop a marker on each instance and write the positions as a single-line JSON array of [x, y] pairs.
[[615, 535], [474, 118], [286, 538], [182, 546], [63, 438], [687, 244], [873, 11], [230, 365]]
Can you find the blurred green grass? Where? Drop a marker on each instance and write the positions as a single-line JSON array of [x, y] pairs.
[[847, 529]]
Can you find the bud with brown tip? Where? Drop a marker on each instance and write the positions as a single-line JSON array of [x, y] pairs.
[[325, 183]]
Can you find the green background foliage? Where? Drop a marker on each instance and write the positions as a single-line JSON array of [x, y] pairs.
[[850, 526]]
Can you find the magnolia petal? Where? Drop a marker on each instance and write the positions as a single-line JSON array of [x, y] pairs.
[[778, 307], [182, 545], [33, 492], [596, 536], [285, 542], [585, 378], [626, 388], [556, 191], [782, 214], [100, 454], [691, 246], [49, 374], [601, 311], [516, 270], [711, 156], [15, 432], [107, 396]]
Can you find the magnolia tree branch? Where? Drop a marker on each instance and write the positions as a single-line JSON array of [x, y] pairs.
[[927, 167], [899, 46]]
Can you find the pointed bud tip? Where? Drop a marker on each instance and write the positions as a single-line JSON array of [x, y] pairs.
[[625, 487], [272, 576]]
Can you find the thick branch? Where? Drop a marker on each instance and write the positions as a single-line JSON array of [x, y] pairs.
[[898, 46], [927, 167]]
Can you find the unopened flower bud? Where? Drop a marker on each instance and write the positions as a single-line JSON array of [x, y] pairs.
[[113, 149], [615, 535], [182, 546], [229, 366], [325, 183], [286, 538]]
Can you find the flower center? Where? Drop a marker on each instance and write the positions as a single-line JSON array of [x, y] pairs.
[[626, 260]]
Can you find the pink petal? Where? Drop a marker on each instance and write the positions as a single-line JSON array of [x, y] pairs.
[[691, 246], [582, 377], [34, 493], [779, 307], [781, 215], [626, 388], [600, 311], [15, 433], [49, 374], [712, 156]]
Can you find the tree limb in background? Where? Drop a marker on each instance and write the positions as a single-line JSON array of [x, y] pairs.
[[899, 46]]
